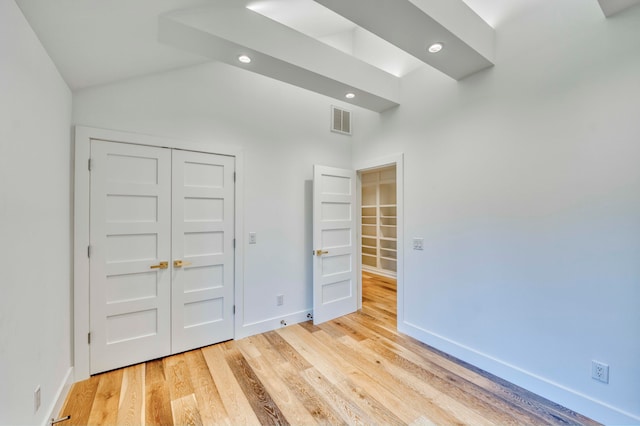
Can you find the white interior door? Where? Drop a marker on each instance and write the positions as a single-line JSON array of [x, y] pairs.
[[334, 242], [161, 254], [202, 249], [130, 238]]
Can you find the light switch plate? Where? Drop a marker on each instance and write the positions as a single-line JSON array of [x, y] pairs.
[[252, 238], [418, 243]]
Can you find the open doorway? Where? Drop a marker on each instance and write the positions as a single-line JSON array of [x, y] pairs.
[[379, 241]]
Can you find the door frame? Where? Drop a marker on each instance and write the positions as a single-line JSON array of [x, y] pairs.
[[364, 166], [81, 235]]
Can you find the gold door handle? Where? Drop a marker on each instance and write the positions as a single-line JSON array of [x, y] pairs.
[[180, 263], [161, 265], [321, 252]]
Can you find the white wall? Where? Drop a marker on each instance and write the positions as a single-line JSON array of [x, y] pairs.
[[282, 131], [524, 182], [35, 200]]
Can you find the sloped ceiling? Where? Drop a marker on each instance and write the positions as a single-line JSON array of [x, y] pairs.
[[332, 47], [95, 42]]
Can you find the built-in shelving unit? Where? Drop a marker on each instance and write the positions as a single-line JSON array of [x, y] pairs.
[[379, 221]]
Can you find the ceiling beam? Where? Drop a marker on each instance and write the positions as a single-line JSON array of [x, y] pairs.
[[414, 25], [277, 51], [611, 7]]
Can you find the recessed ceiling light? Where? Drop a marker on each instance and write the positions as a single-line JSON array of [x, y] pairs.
[[244, 59], [436, 47], [350, 95]]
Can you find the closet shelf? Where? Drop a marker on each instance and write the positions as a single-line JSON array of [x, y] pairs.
[[379, 221]]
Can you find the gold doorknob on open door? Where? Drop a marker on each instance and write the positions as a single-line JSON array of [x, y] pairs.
[[321, 252], [180, 263], [161, 265]]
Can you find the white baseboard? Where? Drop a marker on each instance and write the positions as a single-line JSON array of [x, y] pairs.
[[61, 396], [272, 323], [383, 272], [569, 398]]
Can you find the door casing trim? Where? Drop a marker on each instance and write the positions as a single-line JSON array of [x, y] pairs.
[[81, 237], [376, 163]]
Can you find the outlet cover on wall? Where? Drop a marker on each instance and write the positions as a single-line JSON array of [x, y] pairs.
[[600, 371]]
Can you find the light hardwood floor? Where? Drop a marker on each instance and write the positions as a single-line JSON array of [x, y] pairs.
[[353, 370]]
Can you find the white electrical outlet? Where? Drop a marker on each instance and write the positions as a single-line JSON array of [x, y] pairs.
[[418, 243], [252, 238], [280, 300], [37, 398], [600, 371]]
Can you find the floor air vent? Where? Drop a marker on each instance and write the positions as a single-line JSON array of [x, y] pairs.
[[340, 120]]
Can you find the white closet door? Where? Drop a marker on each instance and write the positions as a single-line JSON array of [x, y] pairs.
[[334, 239], [203, 249], [130, 236]]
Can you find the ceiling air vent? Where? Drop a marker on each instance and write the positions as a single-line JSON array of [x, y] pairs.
[[340, 120]]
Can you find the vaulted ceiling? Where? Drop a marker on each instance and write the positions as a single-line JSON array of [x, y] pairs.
[[332, 47]]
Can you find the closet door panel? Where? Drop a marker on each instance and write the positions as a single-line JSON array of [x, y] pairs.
[[203, 249], [130, 232]]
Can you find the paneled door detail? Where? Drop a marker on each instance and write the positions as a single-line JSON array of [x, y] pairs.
[[130, 281], [203, 211], [334, 239], [161, 253]]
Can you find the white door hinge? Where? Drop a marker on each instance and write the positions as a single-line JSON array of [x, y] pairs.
[[234, 309], [89, 164], [89, 251]]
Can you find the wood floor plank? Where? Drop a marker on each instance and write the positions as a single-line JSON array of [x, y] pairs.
[[292, 408], [357, 369], [264, 407], [178, 377], [344, 374], [212, 411], [343, 328], [386, 387], [286, 351], [288, 364], [157, 398], [481, 398], [350, 412], [79, 402], [500, 397], [185, 411], [309, 326], [131, 407], [446, 379], [233, 398], [105, 405]]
